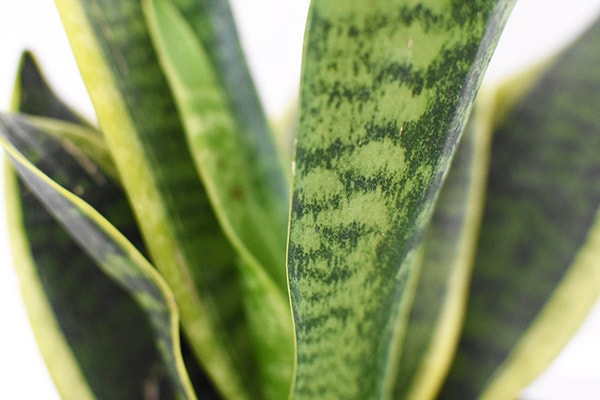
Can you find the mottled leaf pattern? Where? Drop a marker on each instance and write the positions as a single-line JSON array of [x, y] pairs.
[[435, 317], [386, 88]]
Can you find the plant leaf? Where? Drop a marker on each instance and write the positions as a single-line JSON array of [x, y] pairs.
[[33, 95], [435, 318], [64, 292], [235, 190], [114, 365], [143, 132], [386, 90], [536, 272], [77, 139], [213, 24]]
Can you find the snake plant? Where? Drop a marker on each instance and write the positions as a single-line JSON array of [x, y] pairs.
[[411, 237]]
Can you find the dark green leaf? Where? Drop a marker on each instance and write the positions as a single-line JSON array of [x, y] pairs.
[[112, 341], [536, 272]]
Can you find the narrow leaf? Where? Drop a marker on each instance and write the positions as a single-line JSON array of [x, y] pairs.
[[103, 364], [139, 120], [386, 90], [240, 195], [235, 190], [435, 319], [214, 26], [536, 273]]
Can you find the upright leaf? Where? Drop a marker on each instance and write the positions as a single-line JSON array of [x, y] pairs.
[[234, 187], [536, 273], [138, 117], [435, 318], [237, 188], [386, 90], [213, 24]]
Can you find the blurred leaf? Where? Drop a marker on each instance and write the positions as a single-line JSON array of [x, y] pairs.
[[536, 273], [234, 187], [214, 26], [32, 94], [238, 192], [124, 365], [140, 122]]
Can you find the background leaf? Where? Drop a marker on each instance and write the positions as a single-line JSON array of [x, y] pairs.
[[56, 272], [536, 272], [130, 359], [140, 122]]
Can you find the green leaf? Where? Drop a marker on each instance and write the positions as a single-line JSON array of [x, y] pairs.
[[386, 90], [213, 24], [33, 95], [84, 323], [80, 141], [62, 365], [241, 196], [234, 186], [64, 291], [536, 272], [139, 120], [448, 248], [74, 140]]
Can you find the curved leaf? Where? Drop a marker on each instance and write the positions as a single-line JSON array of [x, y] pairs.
[[64, 291], [239, 193], [62, 365], [139, 120], [234, 187], [115, 366], [536, 272], [386, 90]]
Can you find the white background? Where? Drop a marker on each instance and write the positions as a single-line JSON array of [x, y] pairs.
[[272, 34]]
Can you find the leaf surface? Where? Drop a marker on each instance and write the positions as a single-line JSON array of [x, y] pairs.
[[234, 187], [448, 248], [65, 293], [140, 122], [536, 272], [112, 342], [386, 90]]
